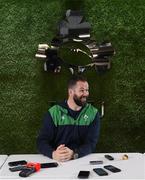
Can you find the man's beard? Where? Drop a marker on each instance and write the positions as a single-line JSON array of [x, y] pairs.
[[79, 101]]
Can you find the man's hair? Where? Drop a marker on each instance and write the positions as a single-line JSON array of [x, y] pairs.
[[74, 79]]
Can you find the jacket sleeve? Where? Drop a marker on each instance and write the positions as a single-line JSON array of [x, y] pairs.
[[90, 142], [45, 137]]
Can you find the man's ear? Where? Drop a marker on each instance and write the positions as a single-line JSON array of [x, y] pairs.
[[70, 91]]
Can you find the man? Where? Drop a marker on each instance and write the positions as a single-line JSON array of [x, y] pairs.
[[70, 129]]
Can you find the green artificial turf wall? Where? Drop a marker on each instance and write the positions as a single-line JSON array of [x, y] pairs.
[[26, 90]]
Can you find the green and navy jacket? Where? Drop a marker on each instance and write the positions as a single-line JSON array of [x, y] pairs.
[[78, 130]]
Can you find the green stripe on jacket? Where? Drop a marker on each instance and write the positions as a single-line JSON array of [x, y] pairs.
[[60, 115]]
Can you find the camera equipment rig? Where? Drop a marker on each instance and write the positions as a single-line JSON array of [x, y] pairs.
[[73, 47]]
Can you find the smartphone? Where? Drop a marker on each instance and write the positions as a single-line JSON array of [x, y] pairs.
[[27, 172], [17, 168], [16, 163], [109, 157], [49, 165], [83, 174], [100, 171], [96, 162], [112, 168]]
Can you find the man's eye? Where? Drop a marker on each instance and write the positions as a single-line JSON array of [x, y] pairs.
[[81, 90], [84, 91]]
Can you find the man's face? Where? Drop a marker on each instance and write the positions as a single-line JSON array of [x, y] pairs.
[[80, 93]]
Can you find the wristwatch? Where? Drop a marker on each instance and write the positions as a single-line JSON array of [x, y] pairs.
[[75, 156]]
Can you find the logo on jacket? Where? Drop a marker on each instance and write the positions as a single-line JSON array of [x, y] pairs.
[[62, 117], [86, 117]]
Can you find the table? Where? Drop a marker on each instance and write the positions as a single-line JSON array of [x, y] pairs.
[[144, 164], [133, 168], [2, 159]]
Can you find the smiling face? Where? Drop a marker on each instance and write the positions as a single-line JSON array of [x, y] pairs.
[[79, 93]]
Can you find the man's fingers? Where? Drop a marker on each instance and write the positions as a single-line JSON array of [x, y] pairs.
[[63, 155], [63, 151], [65, 158], [60, 146]]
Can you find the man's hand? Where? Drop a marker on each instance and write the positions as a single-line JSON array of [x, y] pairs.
[[62, 153]]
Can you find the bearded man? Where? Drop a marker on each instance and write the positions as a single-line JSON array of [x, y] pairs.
[[70, 129]]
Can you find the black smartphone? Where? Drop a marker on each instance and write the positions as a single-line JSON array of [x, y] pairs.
[[109, 157], [16, 163], [112, 168], [96, 162], [83, 174], [49, 165], [100, 171], [27, 172], [17, 168]]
